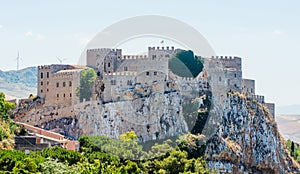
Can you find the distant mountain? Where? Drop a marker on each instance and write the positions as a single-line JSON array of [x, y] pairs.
[[19, 83], [289, 126], [288, 110]]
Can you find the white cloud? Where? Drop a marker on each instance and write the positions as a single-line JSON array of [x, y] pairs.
[[40, 37], [29, 34], [36, 36], [278, 32], [83, 39]]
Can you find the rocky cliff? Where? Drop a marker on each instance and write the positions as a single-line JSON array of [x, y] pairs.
[[247, 140]]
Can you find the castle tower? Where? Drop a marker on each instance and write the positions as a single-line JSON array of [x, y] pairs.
[[104, 60]]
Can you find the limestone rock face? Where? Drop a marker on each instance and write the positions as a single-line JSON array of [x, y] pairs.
[[247, 140], [154, 117]]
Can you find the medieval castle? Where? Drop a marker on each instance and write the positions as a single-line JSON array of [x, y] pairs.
[[133, 92], [121, 73]]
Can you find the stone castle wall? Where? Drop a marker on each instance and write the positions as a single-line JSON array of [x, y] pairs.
[[248, 87], [57, 84]]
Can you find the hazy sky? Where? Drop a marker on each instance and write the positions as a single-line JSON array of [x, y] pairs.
[[265, 33]]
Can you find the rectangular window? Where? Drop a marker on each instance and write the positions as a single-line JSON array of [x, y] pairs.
[[57, 84], [147, 73], [57, 95], [108, 65], [47, 74], [42, 83], [70, 83], [125, 68], [42, 75], [113, 82], [129, 82], [70, 94], [64, 84], [155, 73], [41, 91]]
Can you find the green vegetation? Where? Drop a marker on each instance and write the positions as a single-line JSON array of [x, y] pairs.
[[7, 127], [95, 158], [294, 150], [186, 64], [87, 80]]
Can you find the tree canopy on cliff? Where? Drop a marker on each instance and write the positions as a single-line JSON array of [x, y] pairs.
[[186, 64], [87, 80]]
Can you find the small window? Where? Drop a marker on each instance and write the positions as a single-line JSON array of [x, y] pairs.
[[42, 83], [108, 65], [147, 73], [47, 90], [57, 84], [64, 95], [41, 91], [70, 83], [64, 84], [47, 74], [113, 82], [47, 83], [57, 95], [70, 94], [155, 73], [42, 75], [125, 68], [220, 79], [235, 75]]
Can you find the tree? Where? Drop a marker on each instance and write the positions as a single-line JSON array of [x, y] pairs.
[[5, 107], [128, 136], [186, 64], [53, 166], [87, 80], [293, 149]]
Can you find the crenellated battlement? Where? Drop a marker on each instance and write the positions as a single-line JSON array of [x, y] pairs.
[[68, 75], [259, 98], [143, 58], [53, 66], [102, 49], [124, 73], [124, 57], [161, 48], [225, 57]]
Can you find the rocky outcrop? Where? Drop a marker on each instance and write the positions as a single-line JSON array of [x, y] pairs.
[[247, 140]]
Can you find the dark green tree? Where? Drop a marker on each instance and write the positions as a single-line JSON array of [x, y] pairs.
[[186, 64], [292, 149], [87, 81]]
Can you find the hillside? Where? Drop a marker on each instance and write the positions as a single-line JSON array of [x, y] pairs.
[[19, 83], [289, 126]]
